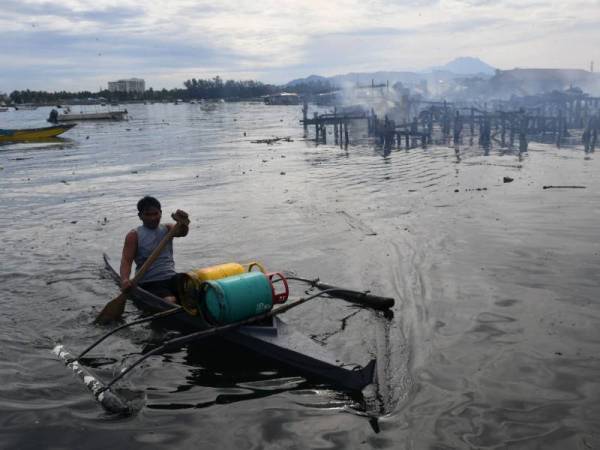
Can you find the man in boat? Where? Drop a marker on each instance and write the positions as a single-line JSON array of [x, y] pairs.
[[161, 278], [53, 116]]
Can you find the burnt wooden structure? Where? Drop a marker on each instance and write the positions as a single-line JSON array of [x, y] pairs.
[[549, 118], [339, 122]]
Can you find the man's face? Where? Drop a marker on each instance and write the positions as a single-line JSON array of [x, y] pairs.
[[151, 217]]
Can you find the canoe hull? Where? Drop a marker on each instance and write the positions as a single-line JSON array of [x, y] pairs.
[[278, 341], [111, 115], [33, 134]]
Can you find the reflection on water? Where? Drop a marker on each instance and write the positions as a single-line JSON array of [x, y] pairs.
[[494, 338], [37, 144], [234, 376]]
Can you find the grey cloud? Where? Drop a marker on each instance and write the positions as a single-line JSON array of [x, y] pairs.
[[369, 32], [342, 50], [145, 50], [203, 10], [471, 24], [406, 3], [466, 25], [31, 12], [479, 2], [50, 58]]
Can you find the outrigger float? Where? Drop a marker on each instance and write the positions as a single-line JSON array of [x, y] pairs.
[[265, 333]]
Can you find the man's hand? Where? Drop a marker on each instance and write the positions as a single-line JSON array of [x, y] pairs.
[[127, 284], [182, 222], [181, 217]]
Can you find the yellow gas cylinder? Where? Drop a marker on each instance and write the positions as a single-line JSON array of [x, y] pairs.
[[217, 272]]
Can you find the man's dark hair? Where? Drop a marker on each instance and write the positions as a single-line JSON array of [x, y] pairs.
[[147, 202]]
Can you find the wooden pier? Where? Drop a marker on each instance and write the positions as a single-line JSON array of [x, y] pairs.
[[503, 123], [338, 121]]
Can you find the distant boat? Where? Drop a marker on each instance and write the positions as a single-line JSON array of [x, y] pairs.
[[106, 115], [3, 109], [284, 98], [33, 134], [26, 107]]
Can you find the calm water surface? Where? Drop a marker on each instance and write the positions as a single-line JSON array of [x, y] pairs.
[[495, 338]]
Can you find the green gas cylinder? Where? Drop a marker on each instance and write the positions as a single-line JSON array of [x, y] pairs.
[[237, 297]]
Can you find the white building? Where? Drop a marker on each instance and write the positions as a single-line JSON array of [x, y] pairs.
[[130, 85]]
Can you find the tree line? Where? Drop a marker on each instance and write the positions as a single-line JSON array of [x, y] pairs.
[[216, 88], [210, 89]]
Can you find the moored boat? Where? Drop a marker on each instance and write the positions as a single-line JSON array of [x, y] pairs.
[[106, 115], [283, 98], [276, 340], [33, 134]]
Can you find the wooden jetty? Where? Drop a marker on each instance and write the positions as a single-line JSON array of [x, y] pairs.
[[549, 118], [338, 121]]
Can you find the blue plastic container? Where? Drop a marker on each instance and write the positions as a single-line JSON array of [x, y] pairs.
[[237, 297]]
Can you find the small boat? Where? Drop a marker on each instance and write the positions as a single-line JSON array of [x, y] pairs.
[[33, 134], [277, 340], [283, 98], [107, 115], [25, 107], [3, 109]]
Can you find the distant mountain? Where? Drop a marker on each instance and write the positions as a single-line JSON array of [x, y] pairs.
[[471, 78], [361, 78], [366, 78], [454, 69], [466, 65], [312, 79]]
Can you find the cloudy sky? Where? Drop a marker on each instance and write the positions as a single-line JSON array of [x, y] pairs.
[[82, 44]]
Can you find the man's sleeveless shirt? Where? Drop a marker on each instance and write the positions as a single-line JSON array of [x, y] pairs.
[[148, 239]]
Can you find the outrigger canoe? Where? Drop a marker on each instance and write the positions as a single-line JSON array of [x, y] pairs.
[[33, 134], [276, 340]]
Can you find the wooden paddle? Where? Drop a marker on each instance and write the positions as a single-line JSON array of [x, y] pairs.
[[114, 309]]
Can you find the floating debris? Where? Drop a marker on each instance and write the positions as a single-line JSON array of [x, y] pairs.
[[272, 141], [565, 187]]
